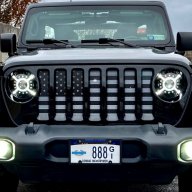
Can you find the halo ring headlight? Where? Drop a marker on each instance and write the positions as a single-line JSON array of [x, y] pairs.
[[170, 85], [22, 86]]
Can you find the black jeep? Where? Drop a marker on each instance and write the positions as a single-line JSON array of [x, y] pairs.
[[96, 87]]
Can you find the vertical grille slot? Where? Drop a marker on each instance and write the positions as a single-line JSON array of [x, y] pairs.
[[147, 99], [129, 102], [112, 95], [95, 91], [43, 106], [60, 95], [77, 92]]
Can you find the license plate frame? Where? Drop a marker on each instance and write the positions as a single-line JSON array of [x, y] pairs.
[[103, 143]]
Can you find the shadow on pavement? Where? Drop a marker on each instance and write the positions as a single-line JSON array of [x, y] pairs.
[[101, 187]]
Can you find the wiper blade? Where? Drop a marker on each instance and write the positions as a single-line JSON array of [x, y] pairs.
[[109, 41], [51, 41]]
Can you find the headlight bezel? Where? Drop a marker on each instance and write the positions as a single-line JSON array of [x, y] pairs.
[[175, 93], [22, 86]]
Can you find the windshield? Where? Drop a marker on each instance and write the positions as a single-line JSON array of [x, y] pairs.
[[139, 24]]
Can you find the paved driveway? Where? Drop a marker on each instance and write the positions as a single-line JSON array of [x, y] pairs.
[[103, 188]]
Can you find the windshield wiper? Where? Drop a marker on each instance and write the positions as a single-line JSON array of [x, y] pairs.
[[51, 41], [109, 41]]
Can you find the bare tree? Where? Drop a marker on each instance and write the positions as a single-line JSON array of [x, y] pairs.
[[12, 11]]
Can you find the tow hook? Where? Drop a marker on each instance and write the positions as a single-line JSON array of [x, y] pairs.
[[160, 129], [31, 129]]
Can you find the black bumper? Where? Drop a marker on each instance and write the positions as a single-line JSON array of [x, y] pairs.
[[147, 156]]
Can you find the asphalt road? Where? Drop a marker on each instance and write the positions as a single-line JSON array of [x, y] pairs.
[[112, 187]]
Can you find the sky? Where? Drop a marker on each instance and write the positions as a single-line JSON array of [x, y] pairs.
[[180, 14]]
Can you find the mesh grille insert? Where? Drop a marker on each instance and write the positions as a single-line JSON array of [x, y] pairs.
[[112, 95], [43, 106], [147, 99], [130, 90], [77, 92], [95, 94], [60, 98]]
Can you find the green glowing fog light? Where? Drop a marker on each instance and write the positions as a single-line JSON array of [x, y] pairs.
[[186, 151], [7, 150]]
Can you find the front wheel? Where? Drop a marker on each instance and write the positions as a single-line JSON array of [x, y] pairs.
[[184, 181], [8, 181]]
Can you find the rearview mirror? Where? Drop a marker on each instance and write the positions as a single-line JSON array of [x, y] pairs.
[[184, 41]]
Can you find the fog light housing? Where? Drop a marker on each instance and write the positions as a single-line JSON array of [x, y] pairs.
[[185, 151], [7, 150]]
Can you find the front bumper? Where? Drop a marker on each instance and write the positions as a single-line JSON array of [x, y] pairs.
[[44, 155]]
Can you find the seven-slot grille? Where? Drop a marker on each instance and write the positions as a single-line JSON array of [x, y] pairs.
[[96, 95]]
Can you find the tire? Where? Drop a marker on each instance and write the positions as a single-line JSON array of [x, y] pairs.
[[184, 181], [8, 181]]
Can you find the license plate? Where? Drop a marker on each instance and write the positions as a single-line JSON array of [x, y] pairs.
[[95, 152]]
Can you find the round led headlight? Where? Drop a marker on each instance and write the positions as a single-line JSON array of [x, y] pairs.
[[170, 85], [22, 86]]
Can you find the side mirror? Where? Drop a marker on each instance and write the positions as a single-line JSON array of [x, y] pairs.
[[184, 41], [8, 43]]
